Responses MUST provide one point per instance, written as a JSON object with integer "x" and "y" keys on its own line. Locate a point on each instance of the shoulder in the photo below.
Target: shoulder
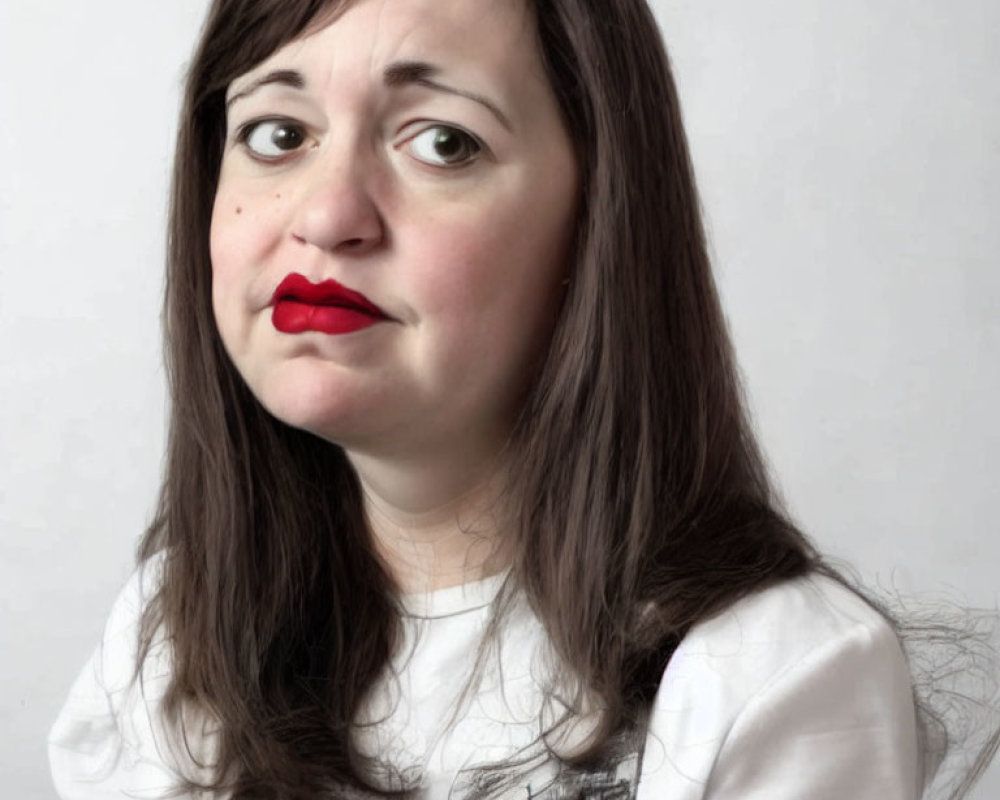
{"x": 805, "y": 673}
{"x": 106, "y": 737}
{"x": 113, "y": 662}
{"x": 775, "y": 629}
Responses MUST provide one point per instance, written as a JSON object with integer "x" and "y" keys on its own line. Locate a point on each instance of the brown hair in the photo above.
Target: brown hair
{"x": 644, "y": 505}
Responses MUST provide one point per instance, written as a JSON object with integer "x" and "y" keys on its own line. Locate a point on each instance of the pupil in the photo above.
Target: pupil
{"x": 286, "y": 138}
{"x": 447, "y": 143}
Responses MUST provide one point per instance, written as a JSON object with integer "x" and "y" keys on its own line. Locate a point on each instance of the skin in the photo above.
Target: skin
{"x": 463, "y": 244}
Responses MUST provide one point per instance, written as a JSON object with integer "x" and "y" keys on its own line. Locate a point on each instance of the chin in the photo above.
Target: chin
{"x": 322, "y": 407}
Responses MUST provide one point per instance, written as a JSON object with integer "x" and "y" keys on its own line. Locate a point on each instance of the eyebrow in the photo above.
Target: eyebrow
{"x": 283, "y": 77}
{"x": 400, "y": 73}
{"x": 420, "y": 73}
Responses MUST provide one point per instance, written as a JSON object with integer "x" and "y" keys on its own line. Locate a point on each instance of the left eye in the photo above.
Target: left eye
{"x": 445, "y": 146}
{"x": 271, "y": 139}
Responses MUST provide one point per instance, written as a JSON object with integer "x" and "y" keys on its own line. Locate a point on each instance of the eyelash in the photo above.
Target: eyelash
{"x": 468, "y": 141}
{"x": 471, "y": 144}
{"x": 249, "y": 128}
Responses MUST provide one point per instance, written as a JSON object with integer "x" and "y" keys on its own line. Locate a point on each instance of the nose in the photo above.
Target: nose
{"x": 336, "y": 211}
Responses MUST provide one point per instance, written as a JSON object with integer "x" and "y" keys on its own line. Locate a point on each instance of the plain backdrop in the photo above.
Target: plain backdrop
{"x": 848, "y": 154}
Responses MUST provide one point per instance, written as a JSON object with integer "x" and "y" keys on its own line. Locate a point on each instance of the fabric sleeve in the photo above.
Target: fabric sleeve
{"x": 837, "y": 724}
{"x": 84, "y": 743}
{"x": 102, "y": 744}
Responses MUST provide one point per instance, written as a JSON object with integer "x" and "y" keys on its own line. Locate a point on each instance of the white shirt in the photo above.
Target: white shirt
{"x": 798, "y": 692}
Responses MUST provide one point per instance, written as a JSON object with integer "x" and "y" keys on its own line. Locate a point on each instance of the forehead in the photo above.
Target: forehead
{"x": 493, "y": 37}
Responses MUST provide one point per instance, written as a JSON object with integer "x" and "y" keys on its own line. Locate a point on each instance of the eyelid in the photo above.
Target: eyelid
{"x": 244, "y": 129}
{"x": 242, "y": 133}
{"x": 406, "y": 135}
{"x": 412, "y": 130}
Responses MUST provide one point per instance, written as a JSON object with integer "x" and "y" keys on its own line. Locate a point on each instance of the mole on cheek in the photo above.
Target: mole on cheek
{"x": 277, "y": 196}
{"x": 239, "y": 209}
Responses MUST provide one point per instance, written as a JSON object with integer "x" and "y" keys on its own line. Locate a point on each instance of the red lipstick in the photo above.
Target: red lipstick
{"x": 327, "y": 307}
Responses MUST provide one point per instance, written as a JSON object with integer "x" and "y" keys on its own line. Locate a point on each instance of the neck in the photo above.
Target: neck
{"x": 435, "y": 528}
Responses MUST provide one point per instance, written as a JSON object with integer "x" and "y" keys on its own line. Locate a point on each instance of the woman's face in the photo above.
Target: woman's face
{"x": 411, "y": 152}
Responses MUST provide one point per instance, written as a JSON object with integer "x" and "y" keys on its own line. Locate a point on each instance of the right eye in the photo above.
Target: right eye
{"x": 271, "y": 139}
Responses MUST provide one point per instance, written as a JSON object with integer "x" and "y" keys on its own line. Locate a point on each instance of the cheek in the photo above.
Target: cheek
{"x": 490, "y": 288}
{"x": 236, "y": 241}
{"x": 225, "y": 246}
{"x": 485, "y": 260}
{"x": 244, "y": 230}
{"x": 234, "y": 229}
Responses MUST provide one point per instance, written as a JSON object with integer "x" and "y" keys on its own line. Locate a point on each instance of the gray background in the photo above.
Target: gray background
{"x": 849, "y": 160}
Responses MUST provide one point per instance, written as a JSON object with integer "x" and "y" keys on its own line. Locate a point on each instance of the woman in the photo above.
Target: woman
{"x": 461, "y": 499}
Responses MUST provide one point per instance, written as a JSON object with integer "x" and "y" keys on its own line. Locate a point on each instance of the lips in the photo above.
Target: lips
{"x": 300, "y": 305}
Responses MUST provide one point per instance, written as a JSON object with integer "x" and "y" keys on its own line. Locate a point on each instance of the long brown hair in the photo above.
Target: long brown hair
{"x": 643, "y": 502}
